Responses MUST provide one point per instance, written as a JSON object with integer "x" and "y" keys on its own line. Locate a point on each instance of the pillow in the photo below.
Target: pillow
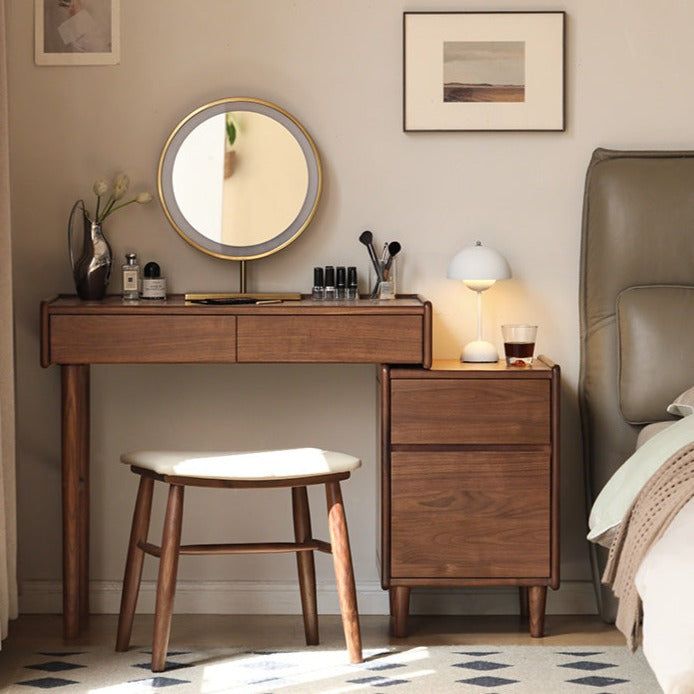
{"x": 619, "y": 493}
{"x": 683, "y": 405}
{"x": 650, "y": 430}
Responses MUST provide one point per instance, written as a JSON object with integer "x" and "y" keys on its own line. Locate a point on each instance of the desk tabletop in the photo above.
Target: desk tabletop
{"x": 176, "y": 303}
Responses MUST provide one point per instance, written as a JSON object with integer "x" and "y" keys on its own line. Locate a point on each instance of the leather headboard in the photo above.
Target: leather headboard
{"x": 638, "y": 229}
{"x": 656, "y": 349}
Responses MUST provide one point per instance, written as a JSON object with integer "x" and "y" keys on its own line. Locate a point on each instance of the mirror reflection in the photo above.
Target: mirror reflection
{"x": 240, "y": 178}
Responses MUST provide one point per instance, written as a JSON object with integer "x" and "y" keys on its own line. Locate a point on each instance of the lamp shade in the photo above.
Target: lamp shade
{"x": 478, "y": 263}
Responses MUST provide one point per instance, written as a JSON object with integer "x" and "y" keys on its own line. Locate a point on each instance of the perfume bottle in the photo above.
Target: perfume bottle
{"x": 131, "y": 278}
{"x": 153, "y": 284}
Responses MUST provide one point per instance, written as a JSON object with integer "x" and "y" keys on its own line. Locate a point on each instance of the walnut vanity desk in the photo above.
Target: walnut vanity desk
{"x": 76, "y": 334}
{"x": 470, "y": 481}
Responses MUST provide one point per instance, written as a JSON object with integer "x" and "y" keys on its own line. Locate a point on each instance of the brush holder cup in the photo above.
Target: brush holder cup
{"x": 384, "y": 287}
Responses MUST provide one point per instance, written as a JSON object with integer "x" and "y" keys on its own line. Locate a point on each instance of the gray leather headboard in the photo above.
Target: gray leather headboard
{"x": 638, "y": 229}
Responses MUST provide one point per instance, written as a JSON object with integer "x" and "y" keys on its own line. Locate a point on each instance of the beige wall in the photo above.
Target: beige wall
{"x": 337, "y": 66}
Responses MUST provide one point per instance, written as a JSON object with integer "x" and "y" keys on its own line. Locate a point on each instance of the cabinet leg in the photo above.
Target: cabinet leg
{"x": 400, "y": 601}
{"x": 523, "y": 601}
{"x": 537, "y": 597}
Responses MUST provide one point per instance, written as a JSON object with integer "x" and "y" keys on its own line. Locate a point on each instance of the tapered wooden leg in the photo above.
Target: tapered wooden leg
{"x": 75, "y": 462}
{"x": 84, "y": 508}
{"x": 537, "y": 597}
{"x": 133, "y": 565}
{"x": 344, "y": 575}
{"x": 401, "y": 610}
{"x": 305, "y": 564}
{"x": 523, "y": 601}
{"x": 391, "y": 601}
{"x": 166, "y": 581}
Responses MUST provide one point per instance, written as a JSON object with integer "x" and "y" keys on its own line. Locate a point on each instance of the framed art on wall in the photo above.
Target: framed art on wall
{"x": 483, "y": 71}
{"x": 77, "y": 32}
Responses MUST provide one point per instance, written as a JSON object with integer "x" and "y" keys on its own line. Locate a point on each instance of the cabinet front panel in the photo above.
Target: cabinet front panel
{"x": 470, "y": 514}
{"x": 348, "y": 339}
{"x": 470, "y": 411}
{"x": 141, "y": 339}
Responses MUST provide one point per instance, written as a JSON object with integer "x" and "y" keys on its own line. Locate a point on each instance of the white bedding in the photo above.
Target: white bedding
{"x": 665, "y": 579}
{"x": 665, "y": 582}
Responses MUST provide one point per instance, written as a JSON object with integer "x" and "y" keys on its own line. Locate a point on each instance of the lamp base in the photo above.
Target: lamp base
{"x": 479, "y": 351}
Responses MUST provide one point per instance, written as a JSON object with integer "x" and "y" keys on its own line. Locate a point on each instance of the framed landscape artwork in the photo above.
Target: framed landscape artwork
{"x": 483, "y": 71}
{"x": 77, "y": 32}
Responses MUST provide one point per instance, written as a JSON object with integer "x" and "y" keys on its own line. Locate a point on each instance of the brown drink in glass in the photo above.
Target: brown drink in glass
{"x": 519, "y": 344}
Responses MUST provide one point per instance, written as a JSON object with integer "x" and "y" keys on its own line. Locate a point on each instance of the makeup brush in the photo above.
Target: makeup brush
{"x": 393, "y": 249}
{"x": 367, "y": 238}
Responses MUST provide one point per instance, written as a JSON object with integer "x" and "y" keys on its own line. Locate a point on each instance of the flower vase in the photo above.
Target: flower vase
{"x": 92, "y": 270}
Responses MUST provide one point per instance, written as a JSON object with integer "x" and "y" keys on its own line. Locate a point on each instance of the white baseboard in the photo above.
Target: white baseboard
{"x": 275, "y": 597}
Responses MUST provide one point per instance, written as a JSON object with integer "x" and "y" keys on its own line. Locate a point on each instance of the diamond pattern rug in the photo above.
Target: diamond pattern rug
{"x": 440, "y": 669}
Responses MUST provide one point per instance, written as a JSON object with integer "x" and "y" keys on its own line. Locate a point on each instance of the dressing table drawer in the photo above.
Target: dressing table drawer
{"x": 471, "y": 411}
{"x": 331, "y": 338}
{"x": 460, "y": 514}
{"x": 84, "y": 339}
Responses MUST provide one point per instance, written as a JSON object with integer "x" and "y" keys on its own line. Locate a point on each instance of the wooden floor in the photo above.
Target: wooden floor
{"x": 265, "y": 631}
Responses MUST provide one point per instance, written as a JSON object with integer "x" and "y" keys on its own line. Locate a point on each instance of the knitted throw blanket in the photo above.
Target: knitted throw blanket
{"x": 658, "y": 502}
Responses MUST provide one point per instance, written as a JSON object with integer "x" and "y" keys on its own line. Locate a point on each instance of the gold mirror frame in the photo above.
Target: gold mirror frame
{"x": 223, "y": 251}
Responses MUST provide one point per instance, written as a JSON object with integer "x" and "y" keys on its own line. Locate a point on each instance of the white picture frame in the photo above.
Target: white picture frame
{"x": 483, "y": 71}
{"x": 77, "y": 32}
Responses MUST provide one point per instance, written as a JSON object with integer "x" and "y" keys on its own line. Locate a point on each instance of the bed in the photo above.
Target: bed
{"x": 637, "y": 329}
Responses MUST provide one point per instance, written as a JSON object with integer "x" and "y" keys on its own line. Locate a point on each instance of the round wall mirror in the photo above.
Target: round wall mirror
{"x": 239, "y": 178}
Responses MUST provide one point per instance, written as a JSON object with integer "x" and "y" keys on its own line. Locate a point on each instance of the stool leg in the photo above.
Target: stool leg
{"x": 305, "y": 564}
{"x": 344, "y": 576}
{"x": 166, "y": 581}
{"x": 133, "y": 565}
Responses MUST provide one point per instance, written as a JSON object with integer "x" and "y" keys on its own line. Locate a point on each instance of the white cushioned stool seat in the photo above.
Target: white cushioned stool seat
{"x": 255, "y": 465}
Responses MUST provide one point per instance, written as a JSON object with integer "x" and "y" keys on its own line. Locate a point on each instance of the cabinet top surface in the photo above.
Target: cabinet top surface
{"x": 176, "y": 303}
{"x": 457, "y": 365}
{"x": 542, "y": 367}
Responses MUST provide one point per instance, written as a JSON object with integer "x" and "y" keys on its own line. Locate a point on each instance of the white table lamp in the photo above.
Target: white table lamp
{"x": 479, "y": 267}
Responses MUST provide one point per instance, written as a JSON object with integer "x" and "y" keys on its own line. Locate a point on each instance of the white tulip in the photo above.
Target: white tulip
{"x": 100, "y": 187}
{"x": 144, "y": 198}
{"x": 120, "y": 185}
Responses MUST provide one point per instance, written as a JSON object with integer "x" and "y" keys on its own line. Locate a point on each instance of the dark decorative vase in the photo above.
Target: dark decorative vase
{"x": 92, "y": 270}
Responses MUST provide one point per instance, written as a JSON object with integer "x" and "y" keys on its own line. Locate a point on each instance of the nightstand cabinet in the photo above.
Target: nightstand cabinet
{"x": 470, "y": 481}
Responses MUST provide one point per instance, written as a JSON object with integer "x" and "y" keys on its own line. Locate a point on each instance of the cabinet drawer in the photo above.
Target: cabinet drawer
{"x": 329, "y": 338}
{"x": 481, "y": 411}
{"x": 155, "y": 339}
{"x": 470, "y": 515}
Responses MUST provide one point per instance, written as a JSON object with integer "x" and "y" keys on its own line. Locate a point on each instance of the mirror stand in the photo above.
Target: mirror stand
{"x": 243, "y": 292}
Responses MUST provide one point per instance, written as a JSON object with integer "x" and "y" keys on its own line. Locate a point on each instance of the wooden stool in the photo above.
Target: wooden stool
{"x": 297, "y": 469}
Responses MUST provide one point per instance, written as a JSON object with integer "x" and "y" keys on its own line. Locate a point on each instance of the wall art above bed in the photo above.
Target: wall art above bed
{"x": 483, "y": 71}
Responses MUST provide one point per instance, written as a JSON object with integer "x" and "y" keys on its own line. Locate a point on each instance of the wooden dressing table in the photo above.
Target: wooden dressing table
{"x": 76, "y": 334}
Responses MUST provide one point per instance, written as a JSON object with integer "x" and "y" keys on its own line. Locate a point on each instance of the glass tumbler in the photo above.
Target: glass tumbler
{"x": 519, "y": 344}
